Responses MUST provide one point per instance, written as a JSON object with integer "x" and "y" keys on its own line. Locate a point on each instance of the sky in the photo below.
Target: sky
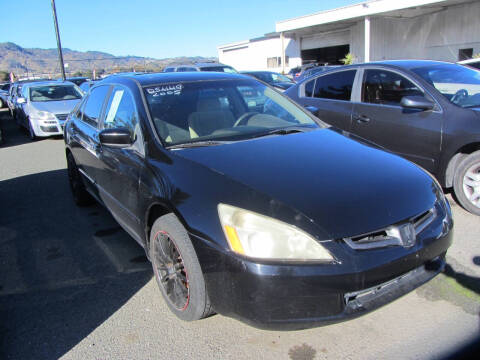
{"x": 150, "y": 28}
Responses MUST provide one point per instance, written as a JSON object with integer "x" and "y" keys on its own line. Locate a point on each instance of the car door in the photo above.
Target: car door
{"x": 84, "y": 135}
{"x": 378, "y": 116}
{"x": 118, "y": 179}
{"x": 331, "y": 95}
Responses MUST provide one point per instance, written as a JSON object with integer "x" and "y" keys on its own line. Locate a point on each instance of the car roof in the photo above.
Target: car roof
{"x": 175, "y": 77}
{"x": 48, "y": 83}
{"x": 407, "y": 64}
{"x": 259, "y": 72}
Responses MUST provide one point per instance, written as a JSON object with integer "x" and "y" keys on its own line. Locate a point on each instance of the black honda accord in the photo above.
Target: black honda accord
{"x": 249, "y": 206}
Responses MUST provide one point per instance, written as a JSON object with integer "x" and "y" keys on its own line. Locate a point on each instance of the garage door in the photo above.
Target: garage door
{"x": 325, "y": 40}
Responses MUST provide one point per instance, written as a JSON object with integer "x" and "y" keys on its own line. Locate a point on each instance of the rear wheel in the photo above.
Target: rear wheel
{"x": 79, "y": 192}
{"x": 466, "y": 183}
{"x": 177, "y": 270}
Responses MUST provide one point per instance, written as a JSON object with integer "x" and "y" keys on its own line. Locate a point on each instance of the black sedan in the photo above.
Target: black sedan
{"x": 425, "y": 111}
{"x": 279, "y": 81}
{"x": 258, "y": 212}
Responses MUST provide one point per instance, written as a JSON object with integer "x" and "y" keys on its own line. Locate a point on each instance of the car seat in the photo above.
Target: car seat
{"x": 209, "y": 117}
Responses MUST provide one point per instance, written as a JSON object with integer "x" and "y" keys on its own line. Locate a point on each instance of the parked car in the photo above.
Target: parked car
{"x": 297, "y": 71}
{"x": 4, "y": 94}
{"x": 425, "y": 111}
{"x": 77, "y": 80}
{"x": 279, "y": 81}
{"x": 209, "y": 66}
{"x": 44, "y": 107}
{"x": 314, "y": 70}
{"x": 14, "y": 93}
{"x": 267, "y": 216}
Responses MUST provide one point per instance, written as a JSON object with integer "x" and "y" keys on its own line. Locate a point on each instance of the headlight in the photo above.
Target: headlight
{"x": 43, "y": 115}
{"x": 259, "y": 236}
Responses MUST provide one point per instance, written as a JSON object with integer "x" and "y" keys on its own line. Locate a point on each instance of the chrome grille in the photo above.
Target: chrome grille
{"x": 403, "y": 234}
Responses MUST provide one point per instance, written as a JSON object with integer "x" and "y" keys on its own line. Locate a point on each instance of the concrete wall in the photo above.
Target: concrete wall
{"x": 436, "y": 36}
{"x": 253, "y": 55}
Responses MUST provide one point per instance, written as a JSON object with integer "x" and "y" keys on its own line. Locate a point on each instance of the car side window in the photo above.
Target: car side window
{"x": 386, "y": 87}
{"x": 93, "y": 107}
{"x": 121, "y": 110}
{"x": 336, "y": 86}
{"x": 309, "y": 88}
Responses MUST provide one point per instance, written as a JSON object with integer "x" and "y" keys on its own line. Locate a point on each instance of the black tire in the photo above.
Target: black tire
{"x": 79, "y": 192}
{"x": 177, "y": 270}
{"x": 31, "y": 132}
{"x": 460, "y": 184}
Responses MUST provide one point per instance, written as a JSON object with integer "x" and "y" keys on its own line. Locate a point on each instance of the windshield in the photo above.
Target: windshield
{"x": 272, "y": 78}
{"x": 226, "y": 69}
{"x": 54, "y": 93}
{"x": 225, "y": 110}
{"x": 459, "y": 84}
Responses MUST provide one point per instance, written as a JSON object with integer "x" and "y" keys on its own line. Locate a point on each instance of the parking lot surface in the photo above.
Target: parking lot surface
{"x": 74, "y": 285}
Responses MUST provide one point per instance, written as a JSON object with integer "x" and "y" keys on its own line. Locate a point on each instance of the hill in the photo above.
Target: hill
{"x": 44, "y": 62}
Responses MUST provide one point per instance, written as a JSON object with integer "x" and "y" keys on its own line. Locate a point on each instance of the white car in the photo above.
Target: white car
{"x": 44, "y": 106}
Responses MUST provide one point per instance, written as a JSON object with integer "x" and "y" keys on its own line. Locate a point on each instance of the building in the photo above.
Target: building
{"x": 446, "y": 30}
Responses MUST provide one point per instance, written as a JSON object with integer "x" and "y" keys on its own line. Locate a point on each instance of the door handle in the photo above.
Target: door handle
{"x": 361, "y": 119}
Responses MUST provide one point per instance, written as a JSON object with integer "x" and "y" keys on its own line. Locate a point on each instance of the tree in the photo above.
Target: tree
{"x": 348, "y": 59}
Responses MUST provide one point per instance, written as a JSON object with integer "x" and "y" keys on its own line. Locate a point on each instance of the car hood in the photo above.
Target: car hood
{"x": 56, "y": 107}
{"x": 344, "y": 187}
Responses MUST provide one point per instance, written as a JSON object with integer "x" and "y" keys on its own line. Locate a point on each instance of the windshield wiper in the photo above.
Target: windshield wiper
{"x": 284, "y": 131}
{"x": 197, "y": 144}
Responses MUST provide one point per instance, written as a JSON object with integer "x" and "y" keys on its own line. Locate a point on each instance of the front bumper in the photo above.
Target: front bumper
{"x": 50, "y": 128}
{"x": 298, "y": 296}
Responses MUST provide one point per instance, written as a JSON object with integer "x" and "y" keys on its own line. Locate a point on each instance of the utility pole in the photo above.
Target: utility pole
{"x": 59, "y": 44}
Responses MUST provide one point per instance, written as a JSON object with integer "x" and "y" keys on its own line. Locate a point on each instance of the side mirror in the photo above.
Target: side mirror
{"x": 21, "y": 101}
{"x": 116, "y": 137}
{"x": 416, "y": 102}
{"x": 312, "y": 109}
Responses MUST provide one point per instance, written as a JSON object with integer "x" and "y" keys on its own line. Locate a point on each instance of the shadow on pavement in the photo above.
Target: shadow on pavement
{"x": 57, "y": 284}
{"x": 470, "y": 282}
{"x": 12, "y": 134}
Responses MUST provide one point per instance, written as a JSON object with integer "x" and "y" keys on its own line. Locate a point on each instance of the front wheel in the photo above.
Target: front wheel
{"x": 466, "y": 183}
{"x": 177, "y": 270}
{"x": 31, "y": 131}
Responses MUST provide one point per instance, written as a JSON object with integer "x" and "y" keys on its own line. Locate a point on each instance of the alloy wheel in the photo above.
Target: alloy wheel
{"x": 471, "y": 184}
{"x": 170, "y": 271}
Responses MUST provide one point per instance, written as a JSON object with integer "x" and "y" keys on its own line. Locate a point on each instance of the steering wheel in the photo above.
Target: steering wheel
{"x": 242, "y": 120}
{"x": 459, "y": 96}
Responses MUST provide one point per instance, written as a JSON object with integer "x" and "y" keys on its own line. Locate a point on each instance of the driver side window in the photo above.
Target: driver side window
{"x": 386, "y": 87}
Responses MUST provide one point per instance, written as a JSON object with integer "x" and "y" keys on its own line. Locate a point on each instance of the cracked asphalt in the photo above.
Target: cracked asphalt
{"x": 73, "y": 285}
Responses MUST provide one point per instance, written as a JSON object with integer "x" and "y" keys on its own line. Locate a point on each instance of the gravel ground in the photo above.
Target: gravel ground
{"x": 73, "y": 285}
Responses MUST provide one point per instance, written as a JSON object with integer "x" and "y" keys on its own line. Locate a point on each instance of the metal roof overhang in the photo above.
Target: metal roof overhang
{"x": 344, "y": 17}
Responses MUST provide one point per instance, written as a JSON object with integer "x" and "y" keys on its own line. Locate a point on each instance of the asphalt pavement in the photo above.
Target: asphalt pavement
{"x": 74, "y": 285}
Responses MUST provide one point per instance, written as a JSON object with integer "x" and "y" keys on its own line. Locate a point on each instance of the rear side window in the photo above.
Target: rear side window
{"x": 337, "y": 86}
{"x": 386, "y": 87}
{"x": 93, "y": 107}
{"x": 309, "y": 88}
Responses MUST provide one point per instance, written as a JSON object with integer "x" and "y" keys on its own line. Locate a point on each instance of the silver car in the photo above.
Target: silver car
{"x": 44, "y": 106}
